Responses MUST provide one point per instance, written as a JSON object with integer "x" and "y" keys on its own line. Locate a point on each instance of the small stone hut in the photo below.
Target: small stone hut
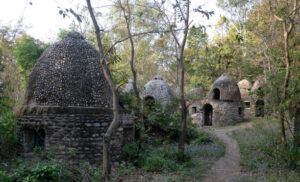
{"x": 257, "y": 103}
{"x": 158, "y": 90}
{"x": 68, "y": 104}
{"x": 194, "y": 102}
{"x": 129, "y": 86}
{"x": 245, "y": 88}
{"x": 224, "y": 104}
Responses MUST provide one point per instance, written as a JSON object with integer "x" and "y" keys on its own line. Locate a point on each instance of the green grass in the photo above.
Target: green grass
{"x": 263, "y": 157}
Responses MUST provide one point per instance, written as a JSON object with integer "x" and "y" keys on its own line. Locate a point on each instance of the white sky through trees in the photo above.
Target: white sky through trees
{"x": 43, "y": 21}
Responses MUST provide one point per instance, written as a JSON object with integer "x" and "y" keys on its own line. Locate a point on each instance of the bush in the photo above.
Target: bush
{"x": 49, "y": 170}
{"x": 154, "y": 163}
{"x": 165, "y": 123}
{"x": 157, "y": 159}
{"x": 8, "y": 139}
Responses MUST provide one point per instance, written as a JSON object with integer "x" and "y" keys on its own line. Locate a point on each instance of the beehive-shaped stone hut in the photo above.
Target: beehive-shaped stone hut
{"x": 257, "y": 102}
{"x": 194, "y": 102}
{"x": 224, "y": 105}
{"x": 195, "y": 94}
{"x": 68, "y": 104}
{"x": 245, "y": 88}
{"x": 158, "y": 90}
{"x": 129, "y": 86}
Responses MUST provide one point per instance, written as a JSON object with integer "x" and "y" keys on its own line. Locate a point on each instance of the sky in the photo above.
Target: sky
{"x": 43, "y": 21}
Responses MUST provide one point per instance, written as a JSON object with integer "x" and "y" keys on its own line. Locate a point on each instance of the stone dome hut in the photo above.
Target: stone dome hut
{"x": 245, "y": 87}
{"x": 257, "y": 103}
{"x": 129, "y": 86}
{"x": 68, "y": 104}
{"x": 158, "y": 90}
{"x": 195, "y": 94}
{"x": 224, "y": 104}
{"x": 194, "y": 102}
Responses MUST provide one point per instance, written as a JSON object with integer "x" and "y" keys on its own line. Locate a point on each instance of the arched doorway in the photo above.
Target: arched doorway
{"x": 149, "y": 102}
{"x": 207, "y": 115}
{"x": 216, "y": 94}
{"x": 259, "y": 108}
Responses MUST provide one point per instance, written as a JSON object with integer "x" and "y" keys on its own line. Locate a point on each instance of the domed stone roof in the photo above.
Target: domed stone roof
{"x": 225, "y": 88}
{"x": 195, "y": 93}
{"x": 68, "y": 74}
{"x": 129, "y": 86}
{"x": 245, "y": 87}
{"x": 257, "y": 84}
{"x": 159, "y": 90}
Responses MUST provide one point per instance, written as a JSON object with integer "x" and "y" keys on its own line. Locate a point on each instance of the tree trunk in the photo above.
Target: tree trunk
{"x": 115, "y": 122}
{"x": 181, "y": 82}
{"x": 286, "y": 33}
{"x": 297, "y": 128}
{"x": 282, "y": 127}
{"x": 136, "y": 91}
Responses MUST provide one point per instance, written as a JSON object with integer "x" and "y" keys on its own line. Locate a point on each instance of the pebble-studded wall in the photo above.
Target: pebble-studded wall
{"x": 67, "y": 105}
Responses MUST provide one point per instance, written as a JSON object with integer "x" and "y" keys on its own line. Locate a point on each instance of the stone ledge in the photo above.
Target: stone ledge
{"x": 40, "y": 110}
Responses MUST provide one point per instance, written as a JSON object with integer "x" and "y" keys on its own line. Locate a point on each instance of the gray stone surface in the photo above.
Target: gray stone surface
{"x": 225, "y": 113}
{"x": 245, "y": 87}
{"x": 129, "y": 86}
{"x": 226, "y": 109}
{"x": 159, "y": 90}
{"x": 229, "y": 90}
{"x": 195, "y": 94}
{"x": 254, "y": 97}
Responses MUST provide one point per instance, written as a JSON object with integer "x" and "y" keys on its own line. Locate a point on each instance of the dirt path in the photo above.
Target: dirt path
{"x": 228, "y": 167}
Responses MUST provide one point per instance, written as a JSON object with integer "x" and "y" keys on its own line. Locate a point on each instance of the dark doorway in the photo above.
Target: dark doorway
{"x": 149, "y": 102}
{"x": 240, "y": 111}
{"x": 194, "y": 110}
{"x": 259, "y": 108}
{"x": 33, "y": 139}
{"x": 207, "y": 114}
{"x": 216, "y": 94}
{"x": 247, "y": 104}
{"x": 39, "y": 139}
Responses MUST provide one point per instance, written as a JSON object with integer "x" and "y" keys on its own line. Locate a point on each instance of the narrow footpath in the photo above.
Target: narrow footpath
{"x": 227, "y": 167}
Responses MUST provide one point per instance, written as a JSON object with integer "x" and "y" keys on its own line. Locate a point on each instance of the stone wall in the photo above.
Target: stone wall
{"x": 224, "y": 113}
{"x": 74, "y": 133}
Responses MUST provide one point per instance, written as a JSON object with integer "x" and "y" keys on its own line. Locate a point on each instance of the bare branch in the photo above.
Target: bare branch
{"x": 180, "y": 9}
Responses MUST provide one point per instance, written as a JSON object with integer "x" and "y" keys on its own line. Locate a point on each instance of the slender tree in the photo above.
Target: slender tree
{"x": 114, "y": 89}
{"x": 288, "y": 22}
{"x": 128, "y": 19}
{"x": 183, "y": 7}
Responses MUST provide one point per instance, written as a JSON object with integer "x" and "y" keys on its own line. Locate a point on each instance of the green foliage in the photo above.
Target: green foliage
{"x": 154, "y": 158}
{"x": 162, "y": 121}
{"x": 203, "y": 138}
{"x": 27, "y": 51}
{"x": 49, "y": 169}
{"x": 8, "y": 140}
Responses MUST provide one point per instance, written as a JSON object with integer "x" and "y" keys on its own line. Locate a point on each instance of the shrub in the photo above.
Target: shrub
{"x": 164, "y": 122}
{"x": 48, "y": 170}
{"x": 154, "y": 163}
{"x": 8, "y": 139}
